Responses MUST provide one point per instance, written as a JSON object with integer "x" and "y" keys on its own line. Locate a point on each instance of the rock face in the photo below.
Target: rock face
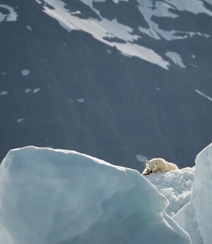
{"x": 112, "y": 79}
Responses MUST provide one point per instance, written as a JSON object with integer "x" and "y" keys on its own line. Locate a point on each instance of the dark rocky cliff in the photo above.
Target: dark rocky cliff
{"x": 83, "y": 94}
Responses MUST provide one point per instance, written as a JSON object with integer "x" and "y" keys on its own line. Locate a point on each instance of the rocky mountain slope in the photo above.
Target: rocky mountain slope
{"x": 119, "y": 80}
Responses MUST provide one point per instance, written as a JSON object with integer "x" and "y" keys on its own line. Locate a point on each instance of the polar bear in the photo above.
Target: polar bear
{"x": 156, "y": 165}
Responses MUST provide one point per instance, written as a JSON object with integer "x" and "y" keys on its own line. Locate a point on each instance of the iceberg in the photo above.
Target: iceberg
{"x": 195, "y": 217}
{"x": 53, "y": 196}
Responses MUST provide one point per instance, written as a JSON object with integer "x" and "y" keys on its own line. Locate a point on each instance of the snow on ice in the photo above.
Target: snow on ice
{"x": 57, "y": 196}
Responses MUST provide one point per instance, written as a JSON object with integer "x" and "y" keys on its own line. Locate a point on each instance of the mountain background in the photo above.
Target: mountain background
{"x": 123, "y": 81}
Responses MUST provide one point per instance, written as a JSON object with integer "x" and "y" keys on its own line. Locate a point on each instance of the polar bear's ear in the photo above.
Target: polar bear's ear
{"x": 146, "y": 161}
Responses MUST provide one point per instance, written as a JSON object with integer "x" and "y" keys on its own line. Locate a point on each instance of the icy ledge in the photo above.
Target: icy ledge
{"x": 56, "y": 196}
{"x": 196, "y": 216}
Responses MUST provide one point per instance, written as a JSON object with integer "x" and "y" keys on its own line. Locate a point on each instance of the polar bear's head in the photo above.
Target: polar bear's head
{"x": 152, "y": 165}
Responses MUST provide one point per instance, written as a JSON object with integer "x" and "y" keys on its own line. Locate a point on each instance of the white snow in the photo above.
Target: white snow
{"x": 38, "y": 1}
{"x": 56, "y": 196}
{"x": 194, "y": 65}
{"x": 196, "y": 7}
{"x": 20, "y": 120}
{"x": 175, "y": 186}
{"x": 202, "y": 94}
{"x": 25, "y": 72}
{"x": 76, "y": 12}
{"x": 149, "y": 32}
{"x": 176, "y": 58}
{"x": 29, "y": 27}
{"x": 101, "y": 29}
{"x": 209, "y": 1}
{"x": 81, "y": 100}
{"x": 11, "y": 16}
{"x": 28, "y": 90}
{"x": 3, "y": 93}
{"x": 107, "y": 31}
{"x": 117, "y": 1}
{"x": 36, "y": 90}
{"x": 162, "y": 9}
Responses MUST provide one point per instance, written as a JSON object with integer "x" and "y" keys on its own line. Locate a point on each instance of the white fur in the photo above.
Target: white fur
{"x": 158, "y": 165}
